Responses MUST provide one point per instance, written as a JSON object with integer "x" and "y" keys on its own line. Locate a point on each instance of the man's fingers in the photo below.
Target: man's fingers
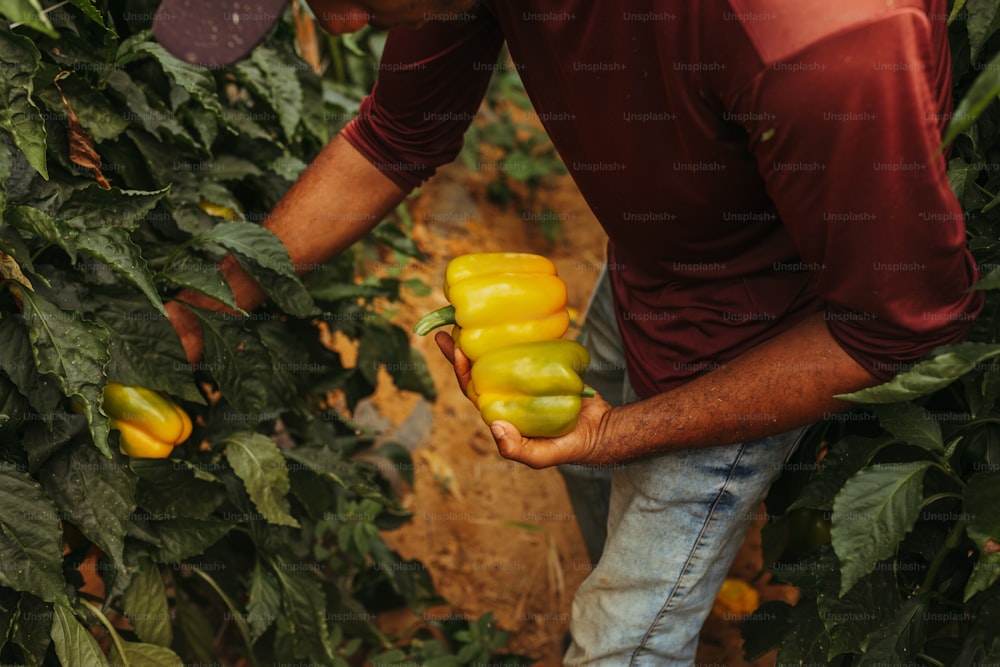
{"x": 509, "y": 441}
{"x": 447, "y": 345}
{"x": 535, "y": 453}
{"x": 463, "y": 367}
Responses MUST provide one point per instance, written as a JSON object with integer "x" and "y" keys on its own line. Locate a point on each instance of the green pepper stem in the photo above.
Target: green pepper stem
{"x": 434, "y": 319}
{"x": 588, "y": 392}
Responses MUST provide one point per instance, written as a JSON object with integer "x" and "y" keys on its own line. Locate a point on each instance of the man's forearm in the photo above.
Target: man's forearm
{"x": 786, "y": 382}
{"x": 337, "y": 200}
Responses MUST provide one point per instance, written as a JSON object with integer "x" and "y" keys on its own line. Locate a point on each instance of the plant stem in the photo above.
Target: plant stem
{"x": 339, "y": 68}
{"x": 241, "y": 623}
{"x": 96, "y": 611}
{"x": 939, "y": 496}
{"x": 434, "y": 319}
{"x": 949, "y": 545}
{"x": 933, "y": 661}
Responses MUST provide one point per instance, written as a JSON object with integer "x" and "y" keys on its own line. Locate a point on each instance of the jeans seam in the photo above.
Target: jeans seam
{"x": 687, "y": 563}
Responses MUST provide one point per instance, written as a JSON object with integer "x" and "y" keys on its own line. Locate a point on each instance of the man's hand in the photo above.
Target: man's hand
{"x": 578, "y": 446}
{"x": 752, "y": 396}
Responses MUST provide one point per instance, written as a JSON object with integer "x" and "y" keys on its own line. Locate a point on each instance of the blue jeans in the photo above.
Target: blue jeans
{"x": 674, "y": 525}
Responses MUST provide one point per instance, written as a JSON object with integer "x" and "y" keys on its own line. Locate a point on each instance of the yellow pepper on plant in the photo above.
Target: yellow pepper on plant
{"x": 736, "y": 598}
{"x": 150, "y": 425}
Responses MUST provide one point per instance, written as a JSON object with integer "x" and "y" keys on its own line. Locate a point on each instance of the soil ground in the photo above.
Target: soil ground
{"x": 495, "y": 535}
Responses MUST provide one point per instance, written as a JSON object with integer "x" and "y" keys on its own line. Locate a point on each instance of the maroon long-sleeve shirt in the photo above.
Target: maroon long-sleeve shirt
{"x": 752, "y": 162}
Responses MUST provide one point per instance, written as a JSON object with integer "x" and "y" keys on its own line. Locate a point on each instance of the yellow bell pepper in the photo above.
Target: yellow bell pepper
{"x": 500, "y": 299}
{"x": 736, "y": 598}
{"x": 534, "y": 386}
{"x": 150, "y": 425}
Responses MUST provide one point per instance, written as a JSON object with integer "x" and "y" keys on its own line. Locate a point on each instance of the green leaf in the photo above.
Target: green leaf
{"x": 149, "y": 112}
{"x": 850, "y": 619}
{"x": 6, "y": 168}
{"x": 806, "y": 641}
{"x": 12, "y": 243}
{"x": 902, "y": 639}
{"x": 251, "y": 241}
{"x": 287, "y": 166}
{"x": 949, "y": 363}
{"x": 73, "y": 642}
{"x": 391, "y": 348}
{"x": 196, "y": 630}
{"x": 97, "y": 495}
{"x": 872, "y": 513}
{"x": 331, "y": 465}
{"x": 961, "y": 177}
{"x": 16, "y": 361}
{"x": 264, "y": 256}
{"x": 237, "y": 360}
{"x": 14, "y": 407}
{"x": 302, "y": 627}
{"x": 990, "y": 281}
{"x": 38, "y": 224}
{"x": 145, "y": 605}
{"x": 75, "y": 352}
{"x": 272, "y": 78}
{"x": 202, "y": 277}
{"x": 980, "y": 15}
{"x": 286, "y": 293}
{"x": 845, "y": 458}
{"x": 33, "y": 628}
{"x": 97, "y": 114}
{"x": 264, "y": 601}
{"x": 393, "y": 657}
{"x": 196, "y": 82}
{"x": 981, "y": 500}
{"x": 413, "y": 374}
{"x": 90, "y": 11}
{"x": 175, "y": 490}
{"x": 956, "y": 10}
{"x": 28, "y": 12}
{"x": 114, "y": 247}
{"x": 912, "y": 424}
{"x": 393, "y": 236}
{"x": 184, "y": 538}
{"x": 257, "y": 461}
{"x": 19, "y": 116}
{"x": 30, "y": 539}
{"x": 146, "y": 351}
{"x": 94, "y": 207}
{"x": 149, "y": 655}
{"x": 981, "y": 94}
{"x": 340, "y": 291}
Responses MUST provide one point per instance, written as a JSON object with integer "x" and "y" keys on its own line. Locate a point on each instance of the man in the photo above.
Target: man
{"x": 781, "y": 231}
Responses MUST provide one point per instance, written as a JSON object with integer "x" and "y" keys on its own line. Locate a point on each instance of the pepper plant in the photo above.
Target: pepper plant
{"x": 888, "y": 519}
{"x": 125, "y": 175}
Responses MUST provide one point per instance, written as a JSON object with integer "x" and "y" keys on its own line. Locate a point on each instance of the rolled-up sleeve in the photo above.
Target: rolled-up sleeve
{"x": 849, "y": 148}
{"x": 431, "y": 81}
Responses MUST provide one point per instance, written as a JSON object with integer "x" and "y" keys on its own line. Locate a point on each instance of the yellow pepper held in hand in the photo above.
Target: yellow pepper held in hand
{"x": 535, "y": 386}
{"x": 150, "y": 425}
{"x": 500, "y": 299}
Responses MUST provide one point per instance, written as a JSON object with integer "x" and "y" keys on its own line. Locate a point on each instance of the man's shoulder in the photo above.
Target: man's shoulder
{"x": 780, "y": 28}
